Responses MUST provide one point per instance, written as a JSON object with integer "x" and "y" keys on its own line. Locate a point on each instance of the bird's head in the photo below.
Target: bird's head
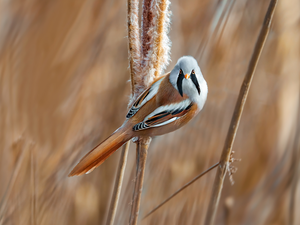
{"x": 187, "y": 78}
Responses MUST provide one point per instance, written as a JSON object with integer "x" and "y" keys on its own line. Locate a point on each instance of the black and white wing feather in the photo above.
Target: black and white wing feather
{"x": 143, "y": 98}
{"x": 164, "y": 115}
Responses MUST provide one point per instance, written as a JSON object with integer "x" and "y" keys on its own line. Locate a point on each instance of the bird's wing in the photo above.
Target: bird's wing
{"x": 144, "y": 98}
{"x": 164, "y": 115}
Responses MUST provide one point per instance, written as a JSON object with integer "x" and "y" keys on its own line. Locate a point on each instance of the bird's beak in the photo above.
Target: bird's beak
{"x": 187, "y": 76}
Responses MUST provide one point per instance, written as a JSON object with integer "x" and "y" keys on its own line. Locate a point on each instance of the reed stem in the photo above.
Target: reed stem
{"x": 235, "y": 121}
{"x": 118, "y": 185}
{"x": 141, "y": 156}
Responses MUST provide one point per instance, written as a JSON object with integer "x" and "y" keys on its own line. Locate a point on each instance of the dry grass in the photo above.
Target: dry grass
{"x": 63, "y": 77}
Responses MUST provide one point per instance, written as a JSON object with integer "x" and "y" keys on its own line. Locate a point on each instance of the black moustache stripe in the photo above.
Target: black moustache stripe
{"x": 195, "y": 81}
{"x": 179, "y": 83}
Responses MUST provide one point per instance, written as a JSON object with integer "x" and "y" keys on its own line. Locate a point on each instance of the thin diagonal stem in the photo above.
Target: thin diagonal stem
{"x": 222, "y": 168}
{"x": 181, "y": 189}
{"x": 118, "y": 185}
{"x": 141, "y": 156}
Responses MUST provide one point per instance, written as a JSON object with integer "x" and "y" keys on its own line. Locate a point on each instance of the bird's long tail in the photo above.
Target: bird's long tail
{"x": 102, "y": 151}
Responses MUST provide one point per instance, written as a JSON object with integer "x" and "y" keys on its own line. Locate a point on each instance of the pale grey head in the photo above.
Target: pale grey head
{"x": 187, "y": 78}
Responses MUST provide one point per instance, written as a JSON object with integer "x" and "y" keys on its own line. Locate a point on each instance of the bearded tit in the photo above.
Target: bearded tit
{"x": 169, "y": 103}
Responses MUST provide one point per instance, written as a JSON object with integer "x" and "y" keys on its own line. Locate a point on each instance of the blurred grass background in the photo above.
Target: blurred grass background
{"x": 64, "y": 88}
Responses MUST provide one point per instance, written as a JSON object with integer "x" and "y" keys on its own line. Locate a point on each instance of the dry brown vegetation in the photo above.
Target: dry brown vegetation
{"x": 64, "y": 87}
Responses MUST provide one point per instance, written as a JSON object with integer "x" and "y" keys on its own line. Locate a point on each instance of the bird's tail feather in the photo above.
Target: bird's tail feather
{"x": 101, "y": 152}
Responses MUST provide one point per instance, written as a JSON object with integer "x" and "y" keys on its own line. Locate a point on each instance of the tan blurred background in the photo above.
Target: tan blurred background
{"x": 64, "y": 87}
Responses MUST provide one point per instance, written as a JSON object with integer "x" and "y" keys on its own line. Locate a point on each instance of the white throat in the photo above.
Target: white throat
{"x": 189, "y": 88}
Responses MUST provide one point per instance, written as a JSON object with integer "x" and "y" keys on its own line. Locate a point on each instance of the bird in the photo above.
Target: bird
{"x": 170, "y": 102}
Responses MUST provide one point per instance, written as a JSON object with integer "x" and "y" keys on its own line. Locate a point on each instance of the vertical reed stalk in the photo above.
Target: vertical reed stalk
{"x": 118, "y": 185}
{"x": 141, "y": 156}
{"x": 153, "y": 55}
{"x": 147, "y": 23}
{"x": 133, "y": 42}
{"x": 155, "y": 49}
{"x": 134, "y": 63}
{"x": 224, "y": 161}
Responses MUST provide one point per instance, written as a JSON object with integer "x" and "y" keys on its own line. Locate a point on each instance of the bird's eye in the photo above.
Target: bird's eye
{"x": 193, "y": 72}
